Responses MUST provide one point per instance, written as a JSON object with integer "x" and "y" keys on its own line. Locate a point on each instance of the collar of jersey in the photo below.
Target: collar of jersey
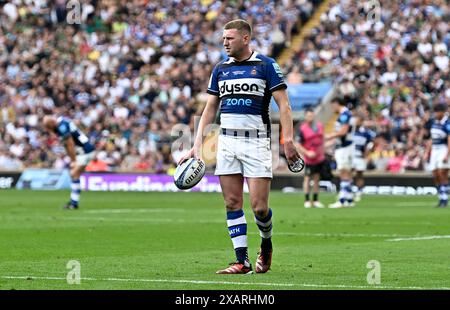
{"x": 345, "y": 109}
{"x": 444, "y": 119}
{"x": 251, "y": 58}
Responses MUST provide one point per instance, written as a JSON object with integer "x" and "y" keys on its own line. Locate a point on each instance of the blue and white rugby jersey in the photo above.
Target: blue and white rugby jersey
{"x": 361, "y": 138}
{"x": 66, "y": 128}
{"x": 245, "y": 89}
{"x": 344, "y": 118}
{"x": 440, "y": 130}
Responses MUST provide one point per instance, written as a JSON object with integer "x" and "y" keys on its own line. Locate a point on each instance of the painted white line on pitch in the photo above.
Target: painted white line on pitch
{"x": 144, "y": 220}
{"x": 304, "y": 234}
{"x": 328, "y": 235}
{"x": 162, "y": 220}
{"x": 374, "y": 222}
{"x": 412, "y": 204}
{"x": 151, "y": 220}
{"x": 165, "y": 220}
{"x": 113, "y": 211}
{"x": 333, "y": 235}
{"x": 420, "y": 238}
{"x": 198, "y": 221}
{"x": 232, "y": 283}
{"x": 150, "y": 280}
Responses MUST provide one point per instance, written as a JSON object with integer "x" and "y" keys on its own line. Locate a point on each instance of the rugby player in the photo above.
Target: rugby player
{"x": 241, "y": 86}
{"x": 79, "y": 150}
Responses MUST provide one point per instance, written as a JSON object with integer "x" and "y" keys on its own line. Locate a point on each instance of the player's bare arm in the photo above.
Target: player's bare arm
{"x": 445, "y": 160}
{"x": 70, "y": 147}
{"x": 208, "y": 116}
{"x": 427, "y": 152}
{"x": 282, "y": 100}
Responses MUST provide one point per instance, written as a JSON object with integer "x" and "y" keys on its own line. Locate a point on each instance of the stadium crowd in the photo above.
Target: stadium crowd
{"x": 126, "y": 72}
{"x": 391, "y": 63}
{"x": 130, "y": 70}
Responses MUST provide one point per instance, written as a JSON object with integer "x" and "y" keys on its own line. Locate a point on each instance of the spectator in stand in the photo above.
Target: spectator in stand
{"x": 380, "y": 154}
{"x": 130, "y": 161}
{"x": 413, "y": 160}
{"x": 143, "y": 164}
{"x": 133, "y": 62}
{"x": 127, "y": 64}
{"x": 392, "y": 68}
{"x": 397, "y": 163}
{"x": 294, "y": 77}
{"x": 97, "y": 165}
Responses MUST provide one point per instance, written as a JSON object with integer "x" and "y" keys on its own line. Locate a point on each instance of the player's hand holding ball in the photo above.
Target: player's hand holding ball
{"x": 295, "y": 161}
{"x": 193, "y": 152}
{"x": 189, "y": 173}
{"x": 190, "y": 170}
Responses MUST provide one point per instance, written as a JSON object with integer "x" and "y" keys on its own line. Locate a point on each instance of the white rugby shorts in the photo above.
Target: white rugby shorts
{"x": 437, "y": 155}
{"x": 359, "y": 164}
{"x": 344, "y": 157}
{"x": 84, "y": 159}
{"x": 251, "y": 157}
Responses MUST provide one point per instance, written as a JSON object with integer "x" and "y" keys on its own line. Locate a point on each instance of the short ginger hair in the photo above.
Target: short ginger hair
{"x": 240, "y": 25}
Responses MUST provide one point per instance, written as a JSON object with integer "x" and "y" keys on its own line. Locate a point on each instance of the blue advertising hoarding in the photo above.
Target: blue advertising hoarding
{"x": 304, "y": 95}
{"x": 44, "y": 179}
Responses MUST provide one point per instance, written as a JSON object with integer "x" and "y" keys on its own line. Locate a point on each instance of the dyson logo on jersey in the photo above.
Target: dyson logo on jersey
{"x": 238, "y": 101}
{"x": 229, "y": 89}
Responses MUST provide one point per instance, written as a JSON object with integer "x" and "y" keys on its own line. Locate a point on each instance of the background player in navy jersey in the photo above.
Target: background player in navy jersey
{"x": 362, "y": 140}
{"x": 439, "y": 151}
{"x": 343, "y": 153}
{"x": 78, "y": 148}
{"x": 242, "y": 86}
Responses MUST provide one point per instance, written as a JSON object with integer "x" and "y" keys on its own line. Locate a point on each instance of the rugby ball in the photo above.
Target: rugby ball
{"x": 297, "y": 166}
{"x": 189, "y": 173}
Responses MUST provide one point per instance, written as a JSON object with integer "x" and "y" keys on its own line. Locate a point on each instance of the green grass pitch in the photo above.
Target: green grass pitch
{"x": 178, "y": 241}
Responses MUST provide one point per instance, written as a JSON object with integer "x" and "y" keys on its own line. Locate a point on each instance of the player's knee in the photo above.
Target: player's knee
{"x": 260, "y": 208}
{"x": 345, "y": 174}
{"x": 261, "y": 212}
{"x": 75, "y": 173}
{"x": 233, "y": 203}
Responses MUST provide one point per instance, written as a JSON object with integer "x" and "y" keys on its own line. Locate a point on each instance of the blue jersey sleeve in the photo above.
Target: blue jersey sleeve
{"x": 275, "y": 77}
{"x": 370, "y": 136}
{"x": 344, "y": 118}
{"x": 447, "y": 128}
{"x": 63, "y": 129}
{"x": 213, "y": 86}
